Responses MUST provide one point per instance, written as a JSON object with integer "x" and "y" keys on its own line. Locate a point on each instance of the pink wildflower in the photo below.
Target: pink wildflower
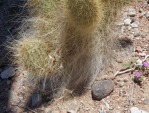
{"x": 145, "y": 64}
{"x": 137, "y": 74}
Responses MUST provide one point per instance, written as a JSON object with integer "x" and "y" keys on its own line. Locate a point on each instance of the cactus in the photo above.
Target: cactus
{"x": 88, "y": 40}
{"x": 86, "y": 44}
{"x": 82, "y": 48}
{"x": 84, "y": 14}
{"x": 112, "y": 7}
{"x": 41, "y": 5}
{"x": 36, "y": 56}
{"x": 84, "y": 51}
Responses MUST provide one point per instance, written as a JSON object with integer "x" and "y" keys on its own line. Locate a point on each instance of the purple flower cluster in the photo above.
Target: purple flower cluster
{"x": 137, "y": 74}
{"x": 145, "y": 64}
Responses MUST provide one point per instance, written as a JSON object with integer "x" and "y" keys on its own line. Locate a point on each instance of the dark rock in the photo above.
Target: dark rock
{"x": 36, "y": 100}
{"x": 101, "y": 89}
{"x": 7, "y": 73}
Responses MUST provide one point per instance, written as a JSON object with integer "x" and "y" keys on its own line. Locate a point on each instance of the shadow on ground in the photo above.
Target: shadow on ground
{"x": 12, "y": 14}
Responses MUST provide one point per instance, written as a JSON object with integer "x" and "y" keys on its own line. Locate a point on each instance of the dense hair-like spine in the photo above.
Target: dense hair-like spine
{"x": 84, "y": 14}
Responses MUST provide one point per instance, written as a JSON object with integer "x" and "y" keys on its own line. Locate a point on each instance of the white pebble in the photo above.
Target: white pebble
{"x": 147, "y": 14}
{"x": 142, "y": 54}
{"x": 127, "y": 21}
{"x": 139, "y": 62}
{"x": 135, "y": 24}
{"x": 137, "y": 110}
{"x": 131, "y": 12}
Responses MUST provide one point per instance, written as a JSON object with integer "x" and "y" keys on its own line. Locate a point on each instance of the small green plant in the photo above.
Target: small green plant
{"x": 141, "y": 68}
{"x": 131, "y": 63}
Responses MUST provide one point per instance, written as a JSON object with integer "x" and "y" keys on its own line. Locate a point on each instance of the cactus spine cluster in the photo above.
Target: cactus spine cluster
{"x": 35, "y": 56}
{"x": 84, "y": 14}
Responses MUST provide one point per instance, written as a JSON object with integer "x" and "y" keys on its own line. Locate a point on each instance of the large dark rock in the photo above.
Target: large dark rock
{"x": 101, "y": 89}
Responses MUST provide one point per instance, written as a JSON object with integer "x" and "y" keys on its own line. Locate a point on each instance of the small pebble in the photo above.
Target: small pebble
{"x": 119, "y": 60}
{"x": 137, "y": 35}
{"x": 36, "y": 99}
{"x": 139, "y": 62}
{"x": 73, "y": 107}
{"x": 116, "y": 111}
{"x": 102, "y": 111}
{"x": 135, "y": 24}
{"x": 133, "y": 19}
{"x": 126, "y": 105}
{"x": 142, "y": 54}
{"x": 9, "y": 72}
{"x": 138, "y": 49}
{"x": 55, "y": 111}
{"x": 144, "y": 34}
{"x": 137, "y": 110}
{"x": 129, "y": 28}
{"x": 145, "y": 101}
{"x": 147, "y": 14}
{"x": 142, "y": 15}
{"x": 126, "y": 80}
{"x": 131, "y": 12}
{"x": 121, "y": 84}
{"x": 127, "y": 21}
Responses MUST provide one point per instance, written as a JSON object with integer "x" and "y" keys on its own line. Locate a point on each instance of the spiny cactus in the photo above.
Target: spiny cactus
{"x": 36, "y": 56}
{"x": 87, "y": 43}
{"x": 111, "y": 8}
{"x": 85, "y": 54}
{"x": 43, "y": 6}
{"x": 84, "y": 14}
